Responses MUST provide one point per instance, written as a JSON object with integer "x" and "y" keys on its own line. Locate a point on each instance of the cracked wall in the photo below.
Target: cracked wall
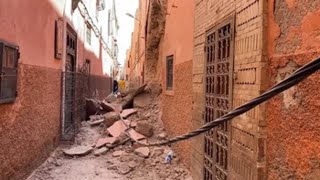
{"x": 155, "y": 30}
{"x": 293, "y": 116}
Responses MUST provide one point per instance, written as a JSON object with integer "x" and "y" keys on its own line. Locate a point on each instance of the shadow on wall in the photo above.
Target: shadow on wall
{"x": 30, "y": 127}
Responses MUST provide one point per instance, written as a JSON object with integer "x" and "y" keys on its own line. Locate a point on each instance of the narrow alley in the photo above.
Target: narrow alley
{"x": 104, "y": 148}
{"x": 159, "y": 89}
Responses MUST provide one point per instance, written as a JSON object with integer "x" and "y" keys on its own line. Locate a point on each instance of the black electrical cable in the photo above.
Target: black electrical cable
{"x": 296, "y": 77}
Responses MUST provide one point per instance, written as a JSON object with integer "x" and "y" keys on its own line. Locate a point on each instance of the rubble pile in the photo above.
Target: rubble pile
{"x": 130, "y": 119}
{"x": 111, "y": 134}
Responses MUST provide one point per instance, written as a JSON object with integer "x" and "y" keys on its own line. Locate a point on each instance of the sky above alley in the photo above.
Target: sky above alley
{"x": 126, "y": 25}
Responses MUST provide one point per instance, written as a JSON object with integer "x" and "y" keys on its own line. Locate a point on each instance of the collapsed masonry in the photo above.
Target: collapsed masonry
{"x": 119, "y": 123}
{"x": 155, "y": 29}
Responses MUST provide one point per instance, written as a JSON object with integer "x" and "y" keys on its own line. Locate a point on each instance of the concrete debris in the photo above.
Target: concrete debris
{"x": 95, "y": 117}
{"x": 56, "y": 162}
{"x": 135, "y": 135}
{"x": 96, "y": 123}
{"x": 128, "y": 100}
{"x": 133, "y": 124}
{"x": 118, "y": 108}
{"x": 78, "y": 151}
{"x": 142, "y": 100}
{"x": 121, "y": 138}
{"x": 117, "y": 128}
{"x": 117, "y": 153}
{"x": 154, "y": 88}
{"x": 127, "y": 122}
{"x": 144, "y": 128}
{"x": 162, "y": 135}
{"x": 124, "y": 168}
{"x": 128, "y": 112}
{"x": 132, "y": 164}
{"x": 92, "y": 107}
{"x": 103, "y": 141}
{"x": 107, "y": 107}
{"x": 110, "y": 118}
{"x": 142, "y": 152}
{"x": 101, "y": 151}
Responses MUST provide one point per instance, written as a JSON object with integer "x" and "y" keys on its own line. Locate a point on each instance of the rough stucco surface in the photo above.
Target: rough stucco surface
{"x": 156, "y": 27}
{"x": 29, "y": 127}
{"x": 177, "y": 109}
{"x": 293, "y": 26}
{"x": 293, "y": 123}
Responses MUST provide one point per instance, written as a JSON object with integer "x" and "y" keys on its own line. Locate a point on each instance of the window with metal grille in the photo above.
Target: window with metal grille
{"x": 88, "y": 32}
{"x": 9, "y": 55}
{"x": 169, "y": 74}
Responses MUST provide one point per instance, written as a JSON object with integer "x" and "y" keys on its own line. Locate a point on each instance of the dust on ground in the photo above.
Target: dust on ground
{"x": 120, "y": 162}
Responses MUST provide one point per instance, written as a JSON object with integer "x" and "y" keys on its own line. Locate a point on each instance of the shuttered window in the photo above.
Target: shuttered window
{"x": 88, "y": 33}
{"x": 169, "y": 73}
{"x": 9, "y": 55}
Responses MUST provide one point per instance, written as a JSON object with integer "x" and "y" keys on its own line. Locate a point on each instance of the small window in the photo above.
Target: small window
{"x": 9, "y": 55}
{"x": 169, "y": 74}
{"x": 88, "y": 34}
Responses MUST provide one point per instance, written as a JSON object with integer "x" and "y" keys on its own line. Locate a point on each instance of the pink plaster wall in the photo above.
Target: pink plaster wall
{"x": 24, "y": 24}
{"x": 178, "y": 41}
{"x": 30, "y": 127}
{"x": 178, "y": 37}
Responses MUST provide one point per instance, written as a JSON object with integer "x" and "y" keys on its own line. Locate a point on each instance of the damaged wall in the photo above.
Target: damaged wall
{"x": 177, "y": 41}
{"x": 156, "y": 20}
{"x": 293, "y": 116}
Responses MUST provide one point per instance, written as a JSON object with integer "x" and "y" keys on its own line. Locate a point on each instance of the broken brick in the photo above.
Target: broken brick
{"x": 78, "y": 151}
{"x": 107, "y": 106}
{"x": 144, "y": 128}
{"x": 103, "y": 141}
{"x": 110, "y": 118}
{"x": 117, "y": 128}
{"x": 135, "y": 135}
{"x": 128, "y": 112}
{"x": 142, "y": 152}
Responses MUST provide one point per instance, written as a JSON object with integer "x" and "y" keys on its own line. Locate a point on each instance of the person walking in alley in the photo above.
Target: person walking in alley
{"x": 115, "y": 86}
{"x": 122, "y": 85}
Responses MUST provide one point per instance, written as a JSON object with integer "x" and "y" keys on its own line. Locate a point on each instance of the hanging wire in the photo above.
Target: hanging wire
{"x": 296, "y": 77}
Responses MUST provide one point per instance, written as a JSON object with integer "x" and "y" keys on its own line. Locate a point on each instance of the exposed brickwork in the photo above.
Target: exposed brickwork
{"x": 29, "y": 128}
{"x": 249, "y": 69}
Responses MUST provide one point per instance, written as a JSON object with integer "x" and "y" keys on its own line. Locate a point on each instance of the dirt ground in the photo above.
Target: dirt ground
{"x": 121, "y": 162}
